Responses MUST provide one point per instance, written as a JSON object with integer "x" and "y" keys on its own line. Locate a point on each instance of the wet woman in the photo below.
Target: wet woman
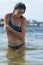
{"x": 15, "y": 26}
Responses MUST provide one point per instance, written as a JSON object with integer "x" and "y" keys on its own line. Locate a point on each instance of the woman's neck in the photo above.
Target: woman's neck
{"x": 14, "y": 16}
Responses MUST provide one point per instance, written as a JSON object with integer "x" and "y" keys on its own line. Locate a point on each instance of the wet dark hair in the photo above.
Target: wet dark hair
{"x": 20, "y": 5}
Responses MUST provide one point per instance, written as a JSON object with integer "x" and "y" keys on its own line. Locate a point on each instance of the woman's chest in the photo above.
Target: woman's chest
{"x": 17, "y": 22}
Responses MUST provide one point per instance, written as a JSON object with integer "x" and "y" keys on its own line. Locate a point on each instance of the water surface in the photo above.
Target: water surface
{"x": 33, "y": 55}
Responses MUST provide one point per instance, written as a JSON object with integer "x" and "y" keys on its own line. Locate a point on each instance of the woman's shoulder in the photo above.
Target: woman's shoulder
{"x": 8, "y": 15}
{"x": 24, "y": 18}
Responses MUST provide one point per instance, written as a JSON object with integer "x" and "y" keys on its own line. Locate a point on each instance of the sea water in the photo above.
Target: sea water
{"x": 33, "y": 54}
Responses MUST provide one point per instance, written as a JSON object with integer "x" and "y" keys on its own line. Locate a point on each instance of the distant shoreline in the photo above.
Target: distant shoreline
{"x": 1, "y": 23}
{"x": 27, "y": 24}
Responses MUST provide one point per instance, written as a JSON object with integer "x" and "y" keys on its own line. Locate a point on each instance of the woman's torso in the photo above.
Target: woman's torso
{"x": 12, "y": 39}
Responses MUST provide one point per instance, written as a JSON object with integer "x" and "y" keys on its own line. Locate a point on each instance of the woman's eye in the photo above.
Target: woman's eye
{"x": 20, "y": 12}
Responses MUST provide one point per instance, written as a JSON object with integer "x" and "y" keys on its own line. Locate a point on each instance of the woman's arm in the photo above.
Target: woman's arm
{"x": 20, "y": 35}
{"x": 6, "y": 20}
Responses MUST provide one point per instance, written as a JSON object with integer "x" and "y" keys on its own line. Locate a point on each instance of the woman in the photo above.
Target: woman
{"x": 15, "y": 26}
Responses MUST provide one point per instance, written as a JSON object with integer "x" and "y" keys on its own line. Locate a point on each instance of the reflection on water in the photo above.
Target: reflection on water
{"x": 33, "y": 55}
{"x": 15, "y": 57}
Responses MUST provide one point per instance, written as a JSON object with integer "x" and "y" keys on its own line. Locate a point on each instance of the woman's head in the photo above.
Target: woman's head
{"x": 19, "y": 9}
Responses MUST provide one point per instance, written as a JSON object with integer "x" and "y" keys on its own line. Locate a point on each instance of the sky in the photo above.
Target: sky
{"x": 34, "y": 8}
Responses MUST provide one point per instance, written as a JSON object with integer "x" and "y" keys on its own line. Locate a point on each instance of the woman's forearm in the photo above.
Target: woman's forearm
{"x": 18, "y": 34}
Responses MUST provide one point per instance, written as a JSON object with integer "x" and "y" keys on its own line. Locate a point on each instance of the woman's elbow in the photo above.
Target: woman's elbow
{"x": 5, "y": 28}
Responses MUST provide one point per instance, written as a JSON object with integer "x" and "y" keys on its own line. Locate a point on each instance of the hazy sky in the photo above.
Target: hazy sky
{"x": 34, "y": 8}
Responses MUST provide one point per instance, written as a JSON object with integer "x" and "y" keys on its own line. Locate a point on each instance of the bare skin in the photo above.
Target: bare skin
{"x": 15, "y": 38}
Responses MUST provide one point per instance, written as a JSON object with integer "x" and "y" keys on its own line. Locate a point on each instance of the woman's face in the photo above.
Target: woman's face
{"x": 19, "y": 12}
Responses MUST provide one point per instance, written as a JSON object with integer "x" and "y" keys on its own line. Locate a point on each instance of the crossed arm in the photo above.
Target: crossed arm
{"x": 20, "y": 35}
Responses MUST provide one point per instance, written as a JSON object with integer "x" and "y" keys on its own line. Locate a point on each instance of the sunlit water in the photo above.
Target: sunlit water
{"x": 33, "y": 54}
